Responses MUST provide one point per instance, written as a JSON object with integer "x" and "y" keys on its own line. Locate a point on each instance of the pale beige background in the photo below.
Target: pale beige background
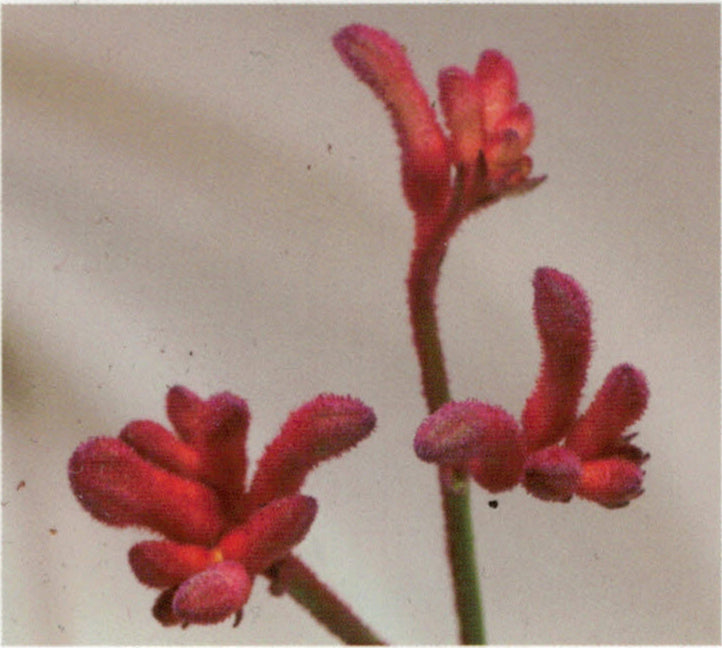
{"x": 205, "y": 195}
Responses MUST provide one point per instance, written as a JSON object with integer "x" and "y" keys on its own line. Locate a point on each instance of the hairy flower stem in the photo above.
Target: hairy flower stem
{"x": 307, "y": 590}
{"x": 422, "y": 282}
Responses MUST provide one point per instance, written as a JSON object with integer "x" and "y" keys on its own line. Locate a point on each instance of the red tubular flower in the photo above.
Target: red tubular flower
{"x": 489, "y": 130}
{"x": 191, "y": 488}
{"x": 563, "y": 321}
{"x": 380, "y": 62}
{"x": 116, "y": 486}
{"x": 322, "y": 428}
{"x": 596, "y": 460}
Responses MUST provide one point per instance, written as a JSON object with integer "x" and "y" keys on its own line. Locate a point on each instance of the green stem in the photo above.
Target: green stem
{"x": 299, "y": 581}
{"x": 460, "y": 551}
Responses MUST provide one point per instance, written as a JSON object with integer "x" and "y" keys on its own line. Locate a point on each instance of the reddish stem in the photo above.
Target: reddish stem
{"x": 422, "y": 282}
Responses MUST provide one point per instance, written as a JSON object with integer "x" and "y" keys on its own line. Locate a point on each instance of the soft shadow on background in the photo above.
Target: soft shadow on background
{"x": 205, "y": 195}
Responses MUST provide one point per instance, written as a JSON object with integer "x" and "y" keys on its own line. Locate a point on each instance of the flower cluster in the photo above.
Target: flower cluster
{"x": 489, "y": 130}
{"x": 554, "y": 452}
{"x": 191, "y": 488}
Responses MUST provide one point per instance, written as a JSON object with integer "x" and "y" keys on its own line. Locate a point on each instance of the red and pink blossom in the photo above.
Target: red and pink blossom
{"x": 190, "y": 487}
{"x": 555, "y": 452}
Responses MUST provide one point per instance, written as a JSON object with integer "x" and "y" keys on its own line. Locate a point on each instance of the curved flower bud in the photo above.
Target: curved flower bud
{"x": 323, "y": 428}
{"x": 497, "y": 82}
{"x": 552, "y": 474}
{"x": 462, "y": 103}
{"x": 490, "y": 131}
{"x": 380, "y": 62}
{"x": 611, "y": 482}
{"x": 214, "y": 594}
{"x": 484, "y": 438}
{"x": 270, "y": 533}
{"x": 563, "y": 321}
{"x": 163, "y": 563}
{"x": 116, "y": 486}
{"x": 184, "y": 409}
{"x": 156, "y": 444}
{"x": 619, "y": 403}
{"x": 217, "y": 428}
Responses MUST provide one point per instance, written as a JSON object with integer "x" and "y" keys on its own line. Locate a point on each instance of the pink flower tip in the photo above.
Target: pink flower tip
{"x": 330, "y": 425}
{"x": 562, "y": 312}
{"x": 213, "y": 594}
{"x": 321, "y": 429}
{"x": 552, "y": 474}
{"x": 381, "y": 62}
{"x": 484, "y": 439}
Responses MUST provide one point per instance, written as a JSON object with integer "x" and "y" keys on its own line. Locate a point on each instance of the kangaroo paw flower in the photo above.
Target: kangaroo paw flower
{"x": 554, "y": 453}
{"x": 489, "y": 130}
{"x": 191, "y": 488}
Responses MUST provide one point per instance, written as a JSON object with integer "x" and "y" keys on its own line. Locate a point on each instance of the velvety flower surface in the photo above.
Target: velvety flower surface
{"x": 191, "y": 488}
{"x": 555, "y": 452}
{"x": 489, "y": 130}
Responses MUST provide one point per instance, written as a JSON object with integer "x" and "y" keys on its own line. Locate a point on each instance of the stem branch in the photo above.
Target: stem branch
{"x": 299, "y": 581}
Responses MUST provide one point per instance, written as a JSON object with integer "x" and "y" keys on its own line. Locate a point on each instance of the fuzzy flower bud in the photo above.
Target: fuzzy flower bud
{"x": 552, "y": 474}
{"x": 214, "y": 594}
{"x": 323, "y": 428}
{"x": 380, "y": 62}
{"x": 217, "y": 428}
{"x": 484, "y": 438}
{"x": 563, "y": 321}
{"x": 163, "y": 563}
{"x": 612, "y": 482}
{"x": 619, "y": 403}
{"x": 157, "y": 445}
{"x": 270, "y": 533}
{"x": 118, "y": 487}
